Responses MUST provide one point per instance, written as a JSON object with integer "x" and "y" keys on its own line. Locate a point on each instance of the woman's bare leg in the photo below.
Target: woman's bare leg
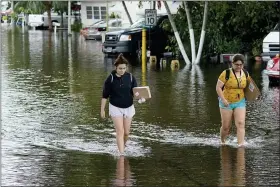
{"x": 239, "y": 118}
{"x": 126, "y": 125}
{"x": 118, "y": 122}
{"x": 226, "y": 116}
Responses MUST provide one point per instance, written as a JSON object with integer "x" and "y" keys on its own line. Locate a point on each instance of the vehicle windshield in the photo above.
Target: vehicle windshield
{"x": 277, "y": 27}
{"x": 98, "y": 22}
{"x": 139, "y": 23}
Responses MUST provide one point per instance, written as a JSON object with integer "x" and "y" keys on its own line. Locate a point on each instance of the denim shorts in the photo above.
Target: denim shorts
{"x": 232, "y": 106}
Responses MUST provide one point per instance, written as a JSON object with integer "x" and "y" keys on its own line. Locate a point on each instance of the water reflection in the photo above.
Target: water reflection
{"x": 123, "y": 173}
{"x": 233, "y": 166}
{"x": 51, "y": 101}
{"x": 70, "y": 66}
{"x": 190, "y": 82}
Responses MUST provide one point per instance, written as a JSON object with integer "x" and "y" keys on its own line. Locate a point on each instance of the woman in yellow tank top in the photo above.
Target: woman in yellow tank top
{"x": 232, "y": 99}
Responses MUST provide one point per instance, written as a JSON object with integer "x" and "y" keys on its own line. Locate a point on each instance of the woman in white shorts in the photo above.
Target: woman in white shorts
{"x": 118, "y": 88}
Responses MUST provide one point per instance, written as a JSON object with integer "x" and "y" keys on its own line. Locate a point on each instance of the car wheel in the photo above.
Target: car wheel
{"x": 273, "y": 80}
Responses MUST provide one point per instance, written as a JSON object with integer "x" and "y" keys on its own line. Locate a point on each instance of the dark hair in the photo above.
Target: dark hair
{"x": 238, "y": 57}
{"x": 120, "y": 60}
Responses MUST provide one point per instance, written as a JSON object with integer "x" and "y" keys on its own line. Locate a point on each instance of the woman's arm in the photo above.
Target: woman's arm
{"x": 219, "y": 90}
{"x": 134, "y": 82}
{"x": 102, "y": 110}
{"x": 133, "y": 85}
{"x": 105, "y": 96}
{"x": 220, "y": 93}
{"x": 219, "y": 87}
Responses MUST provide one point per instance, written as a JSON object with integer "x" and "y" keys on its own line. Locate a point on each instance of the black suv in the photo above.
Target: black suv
{"x": 129, "y": 41}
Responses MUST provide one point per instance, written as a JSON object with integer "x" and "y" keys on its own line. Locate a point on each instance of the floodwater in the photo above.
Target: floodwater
{"x": 52, "y": 134}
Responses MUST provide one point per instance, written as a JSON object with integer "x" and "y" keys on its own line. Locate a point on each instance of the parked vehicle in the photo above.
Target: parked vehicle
{"x": 94, "y": 24}
{"x": 273, "y": 69}
{"x": 95, "y": 30}
{"x": 271, "y": 44}
{"x": 41, "y": 20}
{"x": 129, "y": 41}
{"x": 35, "y": 20}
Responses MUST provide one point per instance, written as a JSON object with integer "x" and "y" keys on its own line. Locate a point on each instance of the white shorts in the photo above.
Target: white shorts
{"x": 121, "y": 112}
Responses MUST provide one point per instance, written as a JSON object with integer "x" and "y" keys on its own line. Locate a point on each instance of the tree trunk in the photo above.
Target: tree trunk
{"x": 192, "y": 39}
{"x": 179, "y": 41}
{"x": 48, "y": 7}
{"x": 201, "y": 42}
{"x": 127, "y": 13}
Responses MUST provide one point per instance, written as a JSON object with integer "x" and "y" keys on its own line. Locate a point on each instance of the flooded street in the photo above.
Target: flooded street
{"x": 52, "y": 134}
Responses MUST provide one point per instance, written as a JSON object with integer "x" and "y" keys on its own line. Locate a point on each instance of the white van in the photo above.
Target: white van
{"x": 271, "y": 44}
{"x": 36, "y": 20}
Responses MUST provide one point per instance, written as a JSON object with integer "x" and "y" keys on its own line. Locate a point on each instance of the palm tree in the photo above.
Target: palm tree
{"x": 127, "y": 13}
{"x": 48, "y": 8}
{"x": 29, "y": 7}
{"x": 35, "y": 7}
{"x": 39, "y": 7}
{"x": 192, "y": 39}
{"x": 177, "y": 36}
{"x": 202, "y": 36}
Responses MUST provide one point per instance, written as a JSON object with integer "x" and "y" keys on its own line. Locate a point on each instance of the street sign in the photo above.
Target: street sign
{"x": 150, "y": 17}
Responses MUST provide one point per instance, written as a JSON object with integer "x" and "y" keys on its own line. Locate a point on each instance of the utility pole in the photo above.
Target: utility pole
{"x": 107, "y": 16}
{"x": 69, "y": 18}
{"x": 12, "y": 7}
{"x": 127, "y": 13}
{"x": 178, "y": 39}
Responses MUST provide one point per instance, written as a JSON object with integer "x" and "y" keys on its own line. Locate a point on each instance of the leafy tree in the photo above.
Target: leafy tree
{"x": 39, "y": 7}
{"x": 241, "y": 25}
{"x": 29, "y": 7}
{"x": 113, "y": 15}
{"x": 60, "y": 7}
{"x": 233, "y": 26}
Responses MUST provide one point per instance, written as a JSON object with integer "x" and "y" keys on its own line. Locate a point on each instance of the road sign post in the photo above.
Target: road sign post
{"x": 150, "y": 17}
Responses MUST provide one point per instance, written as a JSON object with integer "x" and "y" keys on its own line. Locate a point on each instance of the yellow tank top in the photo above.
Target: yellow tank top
{"x": 234, "y": 87}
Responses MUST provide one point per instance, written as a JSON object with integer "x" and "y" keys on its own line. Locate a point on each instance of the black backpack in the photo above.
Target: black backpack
{"x": 228, "y": 74}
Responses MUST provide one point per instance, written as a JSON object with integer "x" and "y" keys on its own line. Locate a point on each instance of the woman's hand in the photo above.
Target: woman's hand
{"x": 141, "y": 100}
{"x": 225, "y": 102}
{"x": 102, "y": 114}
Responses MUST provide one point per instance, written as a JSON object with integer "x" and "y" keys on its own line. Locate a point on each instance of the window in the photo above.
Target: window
{"x": 89, "y": 12}
{"x": 103, "y": 12}
{"x": 96, "y": 14}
